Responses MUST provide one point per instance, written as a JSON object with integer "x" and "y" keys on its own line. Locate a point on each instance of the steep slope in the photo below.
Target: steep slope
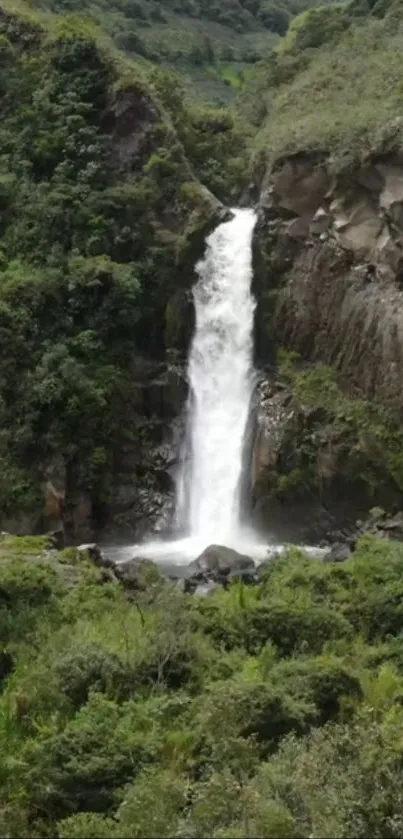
{"x": 212, "y": 44}
{"x": 329, "y": 169}
{"x": 102, "y": 218}
{"x": 333, "y": 85}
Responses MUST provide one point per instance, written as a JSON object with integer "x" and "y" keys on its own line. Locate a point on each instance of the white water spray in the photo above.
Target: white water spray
{"x": 221, "y": 379}
{"x": 221, "y": 383}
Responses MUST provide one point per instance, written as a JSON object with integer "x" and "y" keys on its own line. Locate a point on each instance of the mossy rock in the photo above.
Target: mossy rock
{"x": 139, "y": 574}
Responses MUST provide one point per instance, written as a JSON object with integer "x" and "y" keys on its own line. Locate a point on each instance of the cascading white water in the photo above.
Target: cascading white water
{"x": 221, "y": 383}
{"x": 221, "y": 379}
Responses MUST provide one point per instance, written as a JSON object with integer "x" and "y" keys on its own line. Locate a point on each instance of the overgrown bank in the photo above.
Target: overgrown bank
{"x": 213, "y": 45}
{"x": 322, "y": 457}
{"x": 271, "y": 710}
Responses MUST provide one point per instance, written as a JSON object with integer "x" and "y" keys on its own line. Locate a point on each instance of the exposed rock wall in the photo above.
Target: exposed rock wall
{"x": 329, "y": 270}
{"x": 146, "y": 461}
{"x": 328, "y": 255}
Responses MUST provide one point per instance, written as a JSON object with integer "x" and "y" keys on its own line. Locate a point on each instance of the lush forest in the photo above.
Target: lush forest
{"x": 89, "y": 255}
{"x": 265, "y": 711}
{"x": 212, "y": 44}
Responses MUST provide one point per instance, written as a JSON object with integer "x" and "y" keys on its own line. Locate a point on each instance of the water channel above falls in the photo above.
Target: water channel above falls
{"x": 221, "y": 383}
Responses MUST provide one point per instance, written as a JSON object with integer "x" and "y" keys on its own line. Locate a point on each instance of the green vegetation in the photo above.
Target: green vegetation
{"x": 202, "y": 39}
{"x": 270, "y": 711}
{"x": 214, "y": 141}
{"x": 332, "y": 85}
{"x": 89, "y": 254}
{"x": 273, "y": 710}
{"x": 334, "y": 435}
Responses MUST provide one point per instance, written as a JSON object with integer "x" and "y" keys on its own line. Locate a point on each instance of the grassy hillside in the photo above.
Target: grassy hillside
{"x": 334, "y": 84}
{"x": 212, "y": 44}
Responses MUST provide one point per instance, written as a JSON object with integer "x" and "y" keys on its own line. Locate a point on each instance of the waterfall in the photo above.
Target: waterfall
{"x": 211, "y": 486}
{"x": 221, "y": 379}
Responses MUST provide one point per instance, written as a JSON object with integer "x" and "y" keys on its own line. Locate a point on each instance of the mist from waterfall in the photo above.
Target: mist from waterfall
{"x": 221, "y": 383}
{"x": 221, "y": 379}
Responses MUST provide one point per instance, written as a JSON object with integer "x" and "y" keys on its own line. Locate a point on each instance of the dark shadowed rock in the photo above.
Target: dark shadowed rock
{"x": 57, "y": 539}
{"x": 93, "y": 552}
{"x": 205, "y": 589}
{"x": 6, "y": 665}
{"x": 138, "y": 574}
{"x": 135, "y": 574}
{"x": 129, "y": 117}
{"x": 338, "y": 552}
{"x": 392, "y": 527}
{"x": 220, "y": 565}
{"x": 382, "y": 526}
{"x": 379, "y": 525}
{"x": 264, "y": 568}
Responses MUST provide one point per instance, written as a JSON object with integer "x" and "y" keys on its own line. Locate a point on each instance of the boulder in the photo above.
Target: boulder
{"x": 135, "y": 574}
{"x": 138, "y": 574}
{"x": 338, "y": 552}
{"x": 205, "y": 589}
{"x": 91, "y": 551}
{"x": 220, "y": 564}
{"x": 383, "y": 527}
{"x": 393, "y": 527}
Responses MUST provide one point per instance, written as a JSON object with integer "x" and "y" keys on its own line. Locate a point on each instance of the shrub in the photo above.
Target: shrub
{"x": 81, "y": 767}
{"x": 289, "y": 625}
{"x": 316, "y": 27}
{"x": 95, "y": 669}
{"x": 336, "y": 783}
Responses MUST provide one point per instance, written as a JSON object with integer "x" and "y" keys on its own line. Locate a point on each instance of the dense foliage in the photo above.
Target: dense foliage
{"x": 273, "y": 710}
{"x": 270, "y": 711}
{"x": 90, "y": 255}
{"x": 332, "y": 435}
{"x": 213, "y": 43}
{"x": 331, "y": 85}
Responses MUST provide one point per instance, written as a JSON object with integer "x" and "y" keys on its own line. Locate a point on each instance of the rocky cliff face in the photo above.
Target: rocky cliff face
{"x": 330, "y": 270}
{"x": 147, "y": 458}
{"x": 328, "y": 279}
